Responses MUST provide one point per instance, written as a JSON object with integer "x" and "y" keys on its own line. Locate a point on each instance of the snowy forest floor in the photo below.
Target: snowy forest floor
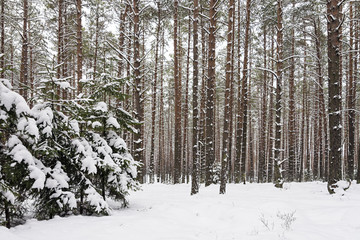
{"x": 253, "y": 211}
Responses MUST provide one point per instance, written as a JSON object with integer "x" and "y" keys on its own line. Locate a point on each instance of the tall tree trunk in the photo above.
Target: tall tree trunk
{"x": 65, "y": 55}
{"x": 139, "y": 109}
{"x": 351, "y": 104}
{"x": 278, "y": 163}
{"x": 129, "y": 89}
{"x": 162, "y": 158}
{"x": 231, "y": 103}
{"x": 357, "y": 41}
{"x": 237, "y": 174}
{"x": 178, "y": 130}
{"x": 24, "y": 53}
{"x": 153, "y": 108}
{"x": 316, "y": 128}
{"x": 303, "y": 134}
{"x": 202, "y": 121}
{"x": 31, "y": 68}
{"x": 250, "y": 173}
{"x": 270, "y": 135}
{"x": 79, "y": 50}
{"x": 122, "y": 34}
{"x": 195, "y": 138}
{"x": 210, "y": 123}
{"x": 292, "y": 134}
{"x": 185, "y": 143}
{"x": 319, "y": 156}
{"x": 322, "y": 132}
{"x": 60, "y": 44}
{"x": 96, "y": 40}
{"x": 12, "y": 50}
{"x": 226, "y": 134}
{"x": 262, "y": 143}
{"x": 334, "y": 17}
{"x": 244, "y": 95}
{"x": 2, "y": 40}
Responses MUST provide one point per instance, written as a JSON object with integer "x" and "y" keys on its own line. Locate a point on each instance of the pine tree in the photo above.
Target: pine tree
{"x": 226, "y": 133}
{"x": 195, "y": 132}
{"x": 334, "y": 16}
{"x": 210, "y": 97}
{"x": 177, "y": 80}
{"x": 278, "y": 178}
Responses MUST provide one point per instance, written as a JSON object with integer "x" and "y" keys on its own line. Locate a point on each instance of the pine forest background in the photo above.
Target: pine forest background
{"x": 211, "y": 91}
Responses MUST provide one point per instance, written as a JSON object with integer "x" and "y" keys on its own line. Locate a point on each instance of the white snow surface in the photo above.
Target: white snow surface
{"x": 300, "y": 211}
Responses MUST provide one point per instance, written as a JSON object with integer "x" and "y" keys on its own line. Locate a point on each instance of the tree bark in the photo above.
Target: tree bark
{"x": 139, "y": 109}
{"x": 226, "y": 134}
{"x": 292, "y": 134}
{"x": 24, "y": 53}
{"x": 270, "y": 135}
{"x": 154, "y": 89}
{"x": 244, "y": 95}
{"x": 351, "y": 104}
{"x": 178, "y": 130}
{"x": 195, "y": 139}
{"x": 303, "y": 134}
{"x": 79, "y": 48}
{"x": 162, "y": 161}
{"x": 237, "y": 174}
{"x": 334, "y": 17}
{"x": 262, "y": 143}
{"x": 210, "y": 98}
{"x": 96, "y": 40}
{"x": 278, "y": 178}
{"x": 185, "y": 142}
{"x": 2, "y": 40}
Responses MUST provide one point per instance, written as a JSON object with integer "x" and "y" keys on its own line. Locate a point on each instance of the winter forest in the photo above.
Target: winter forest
{"x": 166, "y": 104}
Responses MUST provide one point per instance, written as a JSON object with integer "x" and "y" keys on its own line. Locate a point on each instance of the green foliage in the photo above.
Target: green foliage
{"x": 72, "y": 156}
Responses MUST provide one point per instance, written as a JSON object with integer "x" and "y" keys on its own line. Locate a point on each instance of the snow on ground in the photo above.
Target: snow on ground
{"x": 301, "y": 211}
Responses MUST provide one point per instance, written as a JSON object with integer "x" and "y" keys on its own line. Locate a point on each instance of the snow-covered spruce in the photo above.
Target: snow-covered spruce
{"x": 20, "y": 172}
{"x": 101, "y": 154}
{"x": 62, "y": 164}
{"x": 52, "y": 149}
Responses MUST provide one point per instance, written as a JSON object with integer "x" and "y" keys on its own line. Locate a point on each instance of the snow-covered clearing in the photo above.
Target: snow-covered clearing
{"x": 254, "y": 211}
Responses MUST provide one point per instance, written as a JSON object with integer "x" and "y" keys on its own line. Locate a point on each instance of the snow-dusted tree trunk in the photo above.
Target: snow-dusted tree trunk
{"x": 154, "y": 89}
{"x": 291, "y": 175}
{"x": 238, "y": 112}
{"x": 2, "y": 39}
{"x": 303, "y": 133}
{"x": 185, "y": 143}
{"x": 231, "y": 101}
{"x": 357, "y": 41}
{"x": 262, "y": 143}
{"x": 60, "y": 42}
{"x": 270, "y": 127}
{"x": 278, "y": 163}
{"x": 210, "y": 96}
{"x": 195, "y": 132}
{"x": 138, "y": 103}
{"x": 178, "y": 130}
{"x": 202, "y": 120}
{"x": 321, "y": 114}
{"x": 226, "y": 134}
{"x": 162, "y": 157}
{"x": 97, "y": 29}
{"x": 351, "y": 96}
{"x": 334, "y": 18}
{"x": 24, "y": 53}
{"x": 244, "y": 96}
{"x": 79, "y": 48}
